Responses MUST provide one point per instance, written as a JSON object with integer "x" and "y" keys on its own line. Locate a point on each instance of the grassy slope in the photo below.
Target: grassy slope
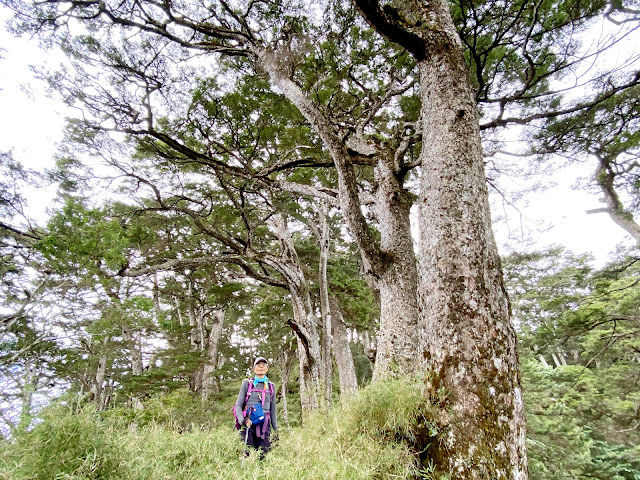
{"x": 372, "y": 436}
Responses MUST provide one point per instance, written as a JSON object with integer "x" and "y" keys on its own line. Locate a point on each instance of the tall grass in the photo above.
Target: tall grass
{"x": 373, "y": 436}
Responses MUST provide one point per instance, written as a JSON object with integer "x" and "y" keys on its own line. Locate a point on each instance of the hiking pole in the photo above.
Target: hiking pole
{"x": 246, "y": 437}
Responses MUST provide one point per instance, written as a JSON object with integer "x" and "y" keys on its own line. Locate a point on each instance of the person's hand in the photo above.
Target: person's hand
{"x": 248, "y": 423}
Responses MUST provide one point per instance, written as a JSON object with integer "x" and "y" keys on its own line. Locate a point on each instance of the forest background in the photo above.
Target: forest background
{"x": 140, "y": 301}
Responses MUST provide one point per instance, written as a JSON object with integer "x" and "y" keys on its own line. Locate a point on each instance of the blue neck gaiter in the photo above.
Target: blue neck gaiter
{"x": 257, "y": 381}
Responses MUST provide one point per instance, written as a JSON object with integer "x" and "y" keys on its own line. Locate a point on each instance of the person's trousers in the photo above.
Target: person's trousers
{"x": 254, "y": 440}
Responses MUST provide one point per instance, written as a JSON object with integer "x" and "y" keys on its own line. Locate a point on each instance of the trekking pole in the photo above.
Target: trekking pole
{"x": 246, "y": 436}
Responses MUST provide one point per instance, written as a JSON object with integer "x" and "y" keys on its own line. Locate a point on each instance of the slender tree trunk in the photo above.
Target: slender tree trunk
{"x": 208, "y": 378}
{"x": 303, "y": 322}
{"x": 134, "y": 350}
{"x": 156, "y": 299}
{"x": 286, "y": 375}
{"x": 327, "y": 363}
{"x": 305, "y": 396}
{"x": 543, "y": 361}
{"x": 342, "y": 352}
{"x": 178, "y": 312}
{"x": 309, "y": 351}
{"x": 29, "y": 387}
{"x": 193, "y": 322}
{"x": 98, "y": 384}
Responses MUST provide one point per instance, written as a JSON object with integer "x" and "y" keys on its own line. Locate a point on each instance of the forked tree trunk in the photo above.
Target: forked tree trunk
{"x": 390, "y": 265}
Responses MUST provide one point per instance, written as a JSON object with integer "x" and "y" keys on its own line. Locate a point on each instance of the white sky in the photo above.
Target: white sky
{"x": 31, "y": 124}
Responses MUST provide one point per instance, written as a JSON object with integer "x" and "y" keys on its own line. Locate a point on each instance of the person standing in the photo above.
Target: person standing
{"x": 255, "y": 409}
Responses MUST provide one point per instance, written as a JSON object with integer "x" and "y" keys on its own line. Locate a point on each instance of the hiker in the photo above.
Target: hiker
{"x": 255, "y": 409}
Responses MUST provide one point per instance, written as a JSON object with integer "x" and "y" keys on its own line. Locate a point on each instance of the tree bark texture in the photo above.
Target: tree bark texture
{"x": 467, "y": 334}
{"x": 465, "y": 330}
{"x": 397, "y": 279}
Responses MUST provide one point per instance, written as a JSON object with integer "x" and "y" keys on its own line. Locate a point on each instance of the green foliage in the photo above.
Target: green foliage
{"x": 371, "y": 437}
{"x": 356, "y": 300}
{"x": 180, "y": 410}
{"x": 362, "y": 364}
{"x": 82, "y": 239}
{"x": 571, "y": 429}
{"x": 582, "y": 412}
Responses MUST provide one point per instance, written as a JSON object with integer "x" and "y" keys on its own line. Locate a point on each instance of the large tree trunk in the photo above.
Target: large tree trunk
{"x": 342, "y": 351}
{"x": 466, "y": 332}
{"x": 209, "y": 384}
{"x": 468, "y": 335}
{"x": 397, "y": 348}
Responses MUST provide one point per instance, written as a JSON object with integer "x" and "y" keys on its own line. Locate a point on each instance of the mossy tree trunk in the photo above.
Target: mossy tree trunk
{"x": 466, "y": 334}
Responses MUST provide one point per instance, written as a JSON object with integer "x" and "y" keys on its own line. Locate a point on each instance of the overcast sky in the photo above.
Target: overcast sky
{"x": 31, "y": 124}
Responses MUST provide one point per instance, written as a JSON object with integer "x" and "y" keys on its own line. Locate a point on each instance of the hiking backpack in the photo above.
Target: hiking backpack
{"x": 257, "y": 411}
